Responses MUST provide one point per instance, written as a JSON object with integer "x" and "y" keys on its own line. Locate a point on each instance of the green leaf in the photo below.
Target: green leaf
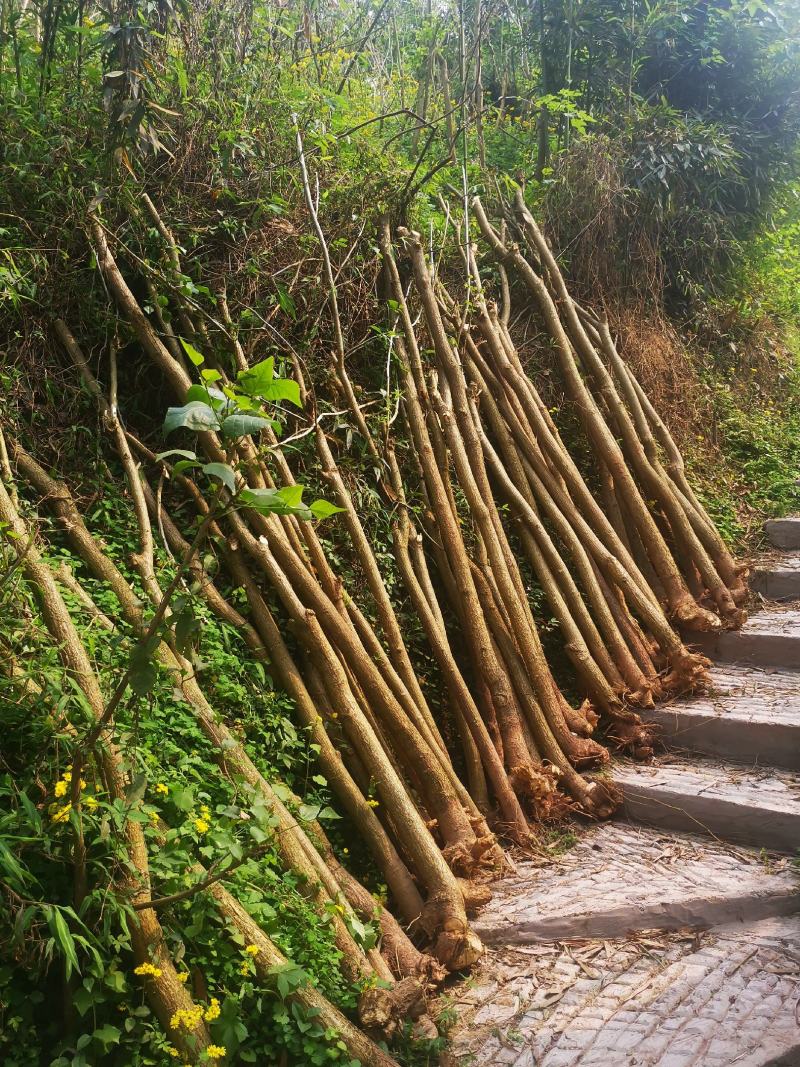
{"x": 265, "y": 501}
{"x": 323, "y": 509}
{"x": 258, "y": 377}
{"x": 60, "y": 931}
{"x": 241, "y": 424}
{"x": 107, "y": 1035}
{"x": 196, "y": 357}
{"x": 185, "y": 465}
{"x": 186, "y": 626}
{"x": 309, "y": 812}
{"x": 223, "y": 472}
{"x": 329, "y": 814}
{"x": 83, "y": 1000}
{"x": 292, "y": 495}
{"x": 144, "y": 671}
{"x": 196, "y": 415}
{"x": 283, "y": 389}
{"x": 287, "y": 304}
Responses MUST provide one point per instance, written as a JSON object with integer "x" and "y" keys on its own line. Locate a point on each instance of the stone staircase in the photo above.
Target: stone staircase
{"x": 670, "y": 938}
{"x": 734, "y": 753}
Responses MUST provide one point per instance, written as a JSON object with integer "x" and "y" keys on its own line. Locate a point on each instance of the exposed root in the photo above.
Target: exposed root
{"x": 602, "y": 799}
{"x": 384, "y": 1012}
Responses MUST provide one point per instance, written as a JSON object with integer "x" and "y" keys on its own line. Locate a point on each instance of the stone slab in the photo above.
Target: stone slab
{"x": 620, "y": 879}
{"x": 729, "y": 996}
{"x": 777, "y": 577}
{"x": 783, "y": 533}
{"x": 749, "y": 805}
{"x": 750, "y": 714}
{"x": 769, "y": 638}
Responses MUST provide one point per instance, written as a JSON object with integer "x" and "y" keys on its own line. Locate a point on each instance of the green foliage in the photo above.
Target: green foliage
{"x": 46, "y": 946}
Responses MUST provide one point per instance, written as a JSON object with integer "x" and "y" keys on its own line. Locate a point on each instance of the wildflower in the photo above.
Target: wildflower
{"x": 61, "y": 789}
{"x": 153, "y": 816}
{"x": 173, "y": 1052}
{"x": 187, "y": 1017}
{"x": 212, "y": 1011}
{"x": 67, "y": 776}
{"x": 62, "y": 814}
{"x": 346, "y": 851}
{"x": 245, "y": 968}
{"x": 252, "y": 950}
{"x": 90, "y": 803}
{"x": 148, "y": 968}
{"x": 215, "y": 1052}
{"x": 201, "y": 826}
{"x": 162, "y": 789}
{"x": 372, "y": 803}
{"x": 205, "y": 811}
{"x": 183, "y": 978}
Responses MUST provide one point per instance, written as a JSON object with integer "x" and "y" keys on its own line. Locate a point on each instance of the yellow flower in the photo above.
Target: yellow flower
{"x": 183, "y": 978}
{"x": 201, "y": 826}
{"x": 245, "y": 967}
{"x": 67, "y": 776}
{"x": 153, "y": 816}
{"x": 148, "y": 968}
{"x": 90, "y": 803}
{"x": 212, "y": 1011}
{"x": 61, "y": 789}
{"x": 62, "y": 814}
{"x": 252, "y": 950}
{"x": 373, "y": 803}
{"x": 162, "y": 789}
{"x": 188, "y": 1017}
{"x": 173, "y": 1052}
{"x": 215, "y": 1052}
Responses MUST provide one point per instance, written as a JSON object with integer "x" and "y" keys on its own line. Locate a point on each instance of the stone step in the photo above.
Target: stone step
{"x": 777, "y": 577}
{"x": 727, "y": 997}
{"x": 751, "y": 715}
{"x": 748, "y": 805}
{"x": 619, "y": 879}
{"x": 769, "y": 638}
{"x": 783, "y": 533}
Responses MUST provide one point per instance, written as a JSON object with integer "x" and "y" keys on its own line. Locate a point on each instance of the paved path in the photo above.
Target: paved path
{"x": 671, "y": 939}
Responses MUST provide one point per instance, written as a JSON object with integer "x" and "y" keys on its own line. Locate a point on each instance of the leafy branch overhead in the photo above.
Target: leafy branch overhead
{"x": 236, "y": 412}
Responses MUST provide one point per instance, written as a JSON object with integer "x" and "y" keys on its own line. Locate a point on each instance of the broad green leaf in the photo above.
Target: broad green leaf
{"x": 144, "y": 671}
{"x": 107, "y": 1035}
{"x": 329, "y": 814}
{"x": 256, "y": 378}
{"x": 185, "y": 465}
{"x": 323, "y": 509}
{"x": 309, "y": 812}
{"x": 283, "y": 389}
{"x": 196, "y": 415}
{"x": 292, "y": 495}
{"x": 241, "y": 424}
{"x": 223, "y": 472}
{"x": 186, "y": 626}
{"x": 196, "y": 357}
{"x": 270, "y": 502}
